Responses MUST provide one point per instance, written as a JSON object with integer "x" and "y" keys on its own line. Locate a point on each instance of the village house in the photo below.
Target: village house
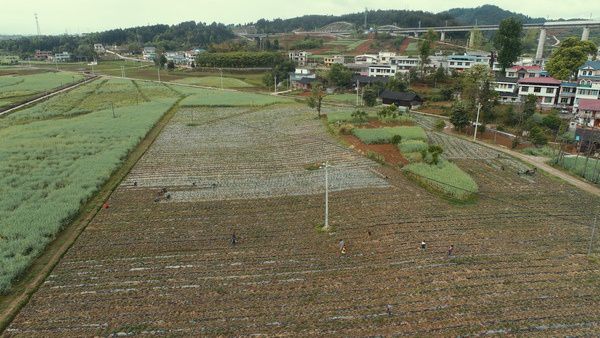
{"x": 99, "y": 48}
{"x": 507, "y": 89}
{"x": 299, "y": 57}
{"x": 588, "y": 113}
{"x": 521, "y": 72}
{"x": 366, "y": 59}
{"x": 149, "y": 53}
{"x": 401, "y": 99}
{"x": 302, "y": 78}
{"x": 588, "y": 82}
{"x": 62, "y": 57}
{"x": 42, "y": 55}
{"x": 405, "y": 63}
{"x": 382, "y": 70}
{"x": 463, "y": 62}
{"x": 545, "y": 89}
{"x": 335, "y": 59}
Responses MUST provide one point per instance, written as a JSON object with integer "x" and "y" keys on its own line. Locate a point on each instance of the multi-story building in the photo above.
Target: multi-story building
{"x": 588, "y": 113}
{"x": 463, "y": 62}
{"x": 299, "y": 57}
{"x": 588, "y": 79}
{"x": 99, "y": 48}
{"x": 382, "y": 70}
{"x": 62, "y": 57}
{"x": 521, "y": 72}
{"x": 42, "y": 55}
{"x": 546, "y": 90}
{"x": 405, "y": 63}
{"x": 331, "y": 60}
{"x": 566, "y": 97}
{"x": 149, "y": 53}
{"x": 385, "y": 57}
{"x": 507, "y": 88}
{"x": 366, "y": 59}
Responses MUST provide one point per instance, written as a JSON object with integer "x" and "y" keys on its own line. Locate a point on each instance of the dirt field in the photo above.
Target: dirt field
{"x": 168, "y": 268}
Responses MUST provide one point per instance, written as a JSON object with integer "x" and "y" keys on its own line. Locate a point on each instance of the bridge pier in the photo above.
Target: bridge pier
{"x": 472, "y": 39}
{"x": 442, "y": 36}
{"x": 540, "y": 49}
{"x": 417, "y": 35}
{"x": 586, "y": 34}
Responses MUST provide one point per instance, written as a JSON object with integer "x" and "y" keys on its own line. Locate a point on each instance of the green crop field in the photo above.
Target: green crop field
{"x": 445, "y": 177}
{"x": 15, "y": 88}
{"x": 56, "y": 155}
{"x": 214, "y": 81}
{"x": 588, "y": 169}
{"x": 224, "y": 98}
{"x": 412, "y": 146}
{"x": 384, "y": 135}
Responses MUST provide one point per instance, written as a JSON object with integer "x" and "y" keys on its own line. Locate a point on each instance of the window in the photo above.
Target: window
{"x": 531, "y": 75}
{"x": 451, "y": 63}
{"x": 525, "y": 89}
{"x": 459, "y": 63}
{"x": 511, "y": 74}
{"x": 564, "y": 100}
{"x": 549, "y": 90}
{"x": 537, "y": 89}
{"x": 548, "y": 100}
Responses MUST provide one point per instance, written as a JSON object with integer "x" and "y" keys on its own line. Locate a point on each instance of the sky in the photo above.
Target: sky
{"x": 82, "y": 16}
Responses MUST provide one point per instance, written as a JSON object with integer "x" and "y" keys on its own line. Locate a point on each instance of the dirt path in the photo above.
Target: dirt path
{"x": 40, "y": 269}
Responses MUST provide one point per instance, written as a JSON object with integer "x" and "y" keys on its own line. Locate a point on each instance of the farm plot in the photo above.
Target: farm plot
{"x": 168, "y": 268}
{"x": 53, "y": 161}
{"x": 456, "y": 148}
{"x": 15, "y": 88}
{"x": 224, "y": 98}
{"x": 214, "y": 81}
{"x": 233, "y": 153}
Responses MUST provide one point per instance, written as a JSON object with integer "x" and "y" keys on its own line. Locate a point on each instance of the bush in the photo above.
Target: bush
{"x": 396, "y": 139}
{"x": 346, "y": 129}
{"x": 440, "y": 125}
{"x": 537, "y": 136}
{"x": 377, "y": 157}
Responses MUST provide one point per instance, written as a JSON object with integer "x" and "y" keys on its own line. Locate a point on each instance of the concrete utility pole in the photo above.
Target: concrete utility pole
{"x": 275, "y": 83}
{"x": 477, "y": 122}
{"x": 357, "y": 96}
{"x": 586, "y": 34}
{"x": 159, "y": 73}
{"x": 123, "y": 71}
{"x": 326, "y": 166}
{"x": 221, "y": 69}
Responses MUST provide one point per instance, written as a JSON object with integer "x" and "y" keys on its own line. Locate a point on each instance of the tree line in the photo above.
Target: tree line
{"x": 184, "y": 35}
{"x": 239, "y": 59}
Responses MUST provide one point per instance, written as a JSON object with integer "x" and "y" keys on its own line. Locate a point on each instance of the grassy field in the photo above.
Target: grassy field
{"x": 384, "y": 135}
{"x": 56, "y": 155}
{"x": 16, "y": 88}
{"x": 341, "y": 98}
{"x": 214, "y": 81}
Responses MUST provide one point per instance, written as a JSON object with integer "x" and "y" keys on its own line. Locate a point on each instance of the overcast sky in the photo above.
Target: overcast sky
{"x": 79, "y": 16}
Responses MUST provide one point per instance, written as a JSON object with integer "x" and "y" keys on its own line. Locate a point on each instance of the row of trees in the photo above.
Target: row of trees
{"x": 239, "y": 59}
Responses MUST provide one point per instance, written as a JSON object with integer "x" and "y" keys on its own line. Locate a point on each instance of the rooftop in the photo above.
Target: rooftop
{"x": 403, "y": 96}
{"x": 550, "y": 81}
{"x": 589, "y": 104}
{"x": 591, "y": 64}
{"x": 527, "y": 68}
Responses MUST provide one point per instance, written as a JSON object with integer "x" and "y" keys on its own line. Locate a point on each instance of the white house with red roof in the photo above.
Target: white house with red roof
{"x": 522, "y": 72}
{"x": 588, "y": 113}
{"x": 546, "y": 89}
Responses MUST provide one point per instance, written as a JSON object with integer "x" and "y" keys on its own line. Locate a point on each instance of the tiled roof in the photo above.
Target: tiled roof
{"x": 591, "y": 64}
{"x": 589, "y": 104}
{"x": 540, "y": 81}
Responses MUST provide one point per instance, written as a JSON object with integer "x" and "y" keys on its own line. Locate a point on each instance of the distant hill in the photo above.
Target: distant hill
{"x": 486, "y": 15}
{"x": 375, "y": 18}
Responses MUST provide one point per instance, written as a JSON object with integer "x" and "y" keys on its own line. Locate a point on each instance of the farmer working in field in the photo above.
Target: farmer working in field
{"x": 233, "y": 239}
{"x": 423, "y": 245}
{"x": 450, "y": 250}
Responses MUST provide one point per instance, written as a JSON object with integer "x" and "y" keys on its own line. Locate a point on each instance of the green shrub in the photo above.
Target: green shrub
{"x": 440, "y": 125}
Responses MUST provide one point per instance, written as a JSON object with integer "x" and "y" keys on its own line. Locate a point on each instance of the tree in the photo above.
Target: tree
{"x": 478, "y": 39}
{"x": 281, "y": 70}
{"x": 425, "y": 48}
{"x": 459, "y": 116}
{"x": 476, "y": 86}
{"x": 160, "y": 60}
{"x": 339, "y": 75}
{"x": 170, "y": 65}
{"x": 370, "y": 96}
{"x": 397, "y": 83}
{"x": 359, "y": 115}
{"x": 552, "y": 121}
{"x": 569, "y": 56}
{"x": 537, "y": 137}
{"x": 435, "y": 152}
{"x": 315, "y": 100}
{"x": 508, "y": 42}
{"x": 529, "y": 107}
{"x": 439, "y": 76}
